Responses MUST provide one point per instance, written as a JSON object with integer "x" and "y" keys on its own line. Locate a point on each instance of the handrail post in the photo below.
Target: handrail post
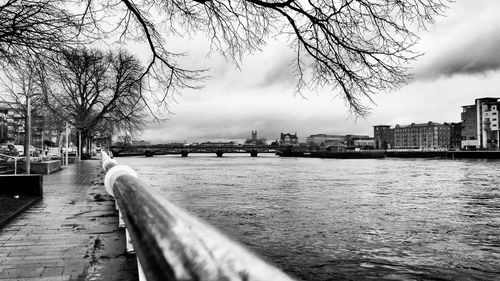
{"x": 15, "y": 161}
{"x": 107, "y": 164}
{"x": 128, "y": 242}
{"x": 121, "y": 222}
{"x": 142, "y": 277}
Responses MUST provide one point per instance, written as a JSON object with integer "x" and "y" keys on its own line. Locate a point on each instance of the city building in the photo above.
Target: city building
{"x": 358, "y": 141}
{"x": 455, "y": 134}
{"x": 289, "y": 139}
{"x": 480, "y": 127}
{"x": 323, "y": 139}
{"x": 255, "y": 141}
{"x": 469, "y": 127}
{"x": 3, "y": 126}
{"x": 13, "y": 122}
{"x": 332, "y": 146}
{"x": 383, "y": 137}
{"x": 364, "y": 143}
{"x": 12, "y": 126}
{"x": 428, "y": 135}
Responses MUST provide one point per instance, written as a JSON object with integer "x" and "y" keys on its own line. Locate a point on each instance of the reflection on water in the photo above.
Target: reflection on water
{"x": 334, "y": 219}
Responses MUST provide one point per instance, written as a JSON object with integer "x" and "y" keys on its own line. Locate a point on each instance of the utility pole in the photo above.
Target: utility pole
{"x": 27, "y": 133}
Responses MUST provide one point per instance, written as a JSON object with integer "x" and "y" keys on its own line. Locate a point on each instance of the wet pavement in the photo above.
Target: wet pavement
{"x": 71, "y": 234}
{"x": 11, "y": 206}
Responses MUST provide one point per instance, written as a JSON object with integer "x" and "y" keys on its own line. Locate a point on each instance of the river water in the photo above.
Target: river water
{"x": 345, "y": 219}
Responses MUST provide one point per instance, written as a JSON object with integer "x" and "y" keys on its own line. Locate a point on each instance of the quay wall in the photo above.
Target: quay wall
{"x": 18, "y": 193}
{"x": 30, "y": 185}
{"x": 395, "y": 154}
{"x": 445, "y": 154}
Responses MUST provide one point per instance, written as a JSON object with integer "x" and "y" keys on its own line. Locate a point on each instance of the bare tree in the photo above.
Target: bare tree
{"x": 98, "y": 93}
{"x": 356, "y": 48}
{"x": 20, "y": 82}
{"x": 36, "y": 27}
{"x": 17, "y": 86}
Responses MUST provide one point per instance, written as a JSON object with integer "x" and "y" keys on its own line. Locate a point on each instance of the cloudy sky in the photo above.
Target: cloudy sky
{"x": 461, "y": 63}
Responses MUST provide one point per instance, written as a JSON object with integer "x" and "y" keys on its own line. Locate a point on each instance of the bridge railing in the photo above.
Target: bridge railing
{"x": 170, "y": 243}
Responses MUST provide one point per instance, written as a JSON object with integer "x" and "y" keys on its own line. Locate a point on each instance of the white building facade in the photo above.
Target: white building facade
{"x": 481, "y": 125}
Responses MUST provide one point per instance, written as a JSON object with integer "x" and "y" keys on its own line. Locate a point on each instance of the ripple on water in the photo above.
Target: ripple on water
{"x": 329, "y": 219}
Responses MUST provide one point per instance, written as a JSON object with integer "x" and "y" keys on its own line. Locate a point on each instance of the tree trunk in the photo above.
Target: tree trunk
{"x": 85, "y": 150}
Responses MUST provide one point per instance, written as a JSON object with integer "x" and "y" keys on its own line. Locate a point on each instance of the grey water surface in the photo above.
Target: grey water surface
{"x": 345, "y": 219}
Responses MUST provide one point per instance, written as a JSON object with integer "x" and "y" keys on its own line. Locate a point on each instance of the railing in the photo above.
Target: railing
{"x": 15, "y": 161}
{"x": 172, "y": 244}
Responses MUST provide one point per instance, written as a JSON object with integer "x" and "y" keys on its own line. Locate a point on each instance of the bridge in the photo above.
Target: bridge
{"x": 185, "y": 150}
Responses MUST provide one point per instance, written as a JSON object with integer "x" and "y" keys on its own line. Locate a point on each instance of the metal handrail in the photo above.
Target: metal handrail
{"x": 15, "y": 161}
{"x": 172, "y": 244}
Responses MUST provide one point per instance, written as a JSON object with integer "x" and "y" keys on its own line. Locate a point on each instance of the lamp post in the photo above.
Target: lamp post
{"x": 67, "y": 142}
{"x": 27, "y": 133}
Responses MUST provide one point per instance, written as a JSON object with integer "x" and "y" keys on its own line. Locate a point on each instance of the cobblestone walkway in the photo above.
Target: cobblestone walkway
{"x": 71, "y": 234}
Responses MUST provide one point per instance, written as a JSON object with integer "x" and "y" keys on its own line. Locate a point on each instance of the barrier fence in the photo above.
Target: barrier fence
{"x": 170, "y": 243}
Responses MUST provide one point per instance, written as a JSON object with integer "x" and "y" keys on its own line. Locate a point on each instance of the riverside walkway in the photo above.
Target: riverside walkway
{"x": 71, "y": 234}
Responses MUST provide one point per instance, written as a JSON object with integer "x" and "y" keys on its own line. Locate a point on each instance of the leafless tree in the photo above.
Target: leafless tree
{"x": 19, "y": 82}
{"x": 17, "y": 86}
{"x": 36, "y": 27}
{"x": 356, "y": 48}
{"x": 98, "y": 93}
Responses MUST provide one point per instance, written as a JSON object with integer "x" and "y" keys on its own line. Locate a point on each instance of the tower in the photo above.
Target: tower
{"x": 254, "y": 135}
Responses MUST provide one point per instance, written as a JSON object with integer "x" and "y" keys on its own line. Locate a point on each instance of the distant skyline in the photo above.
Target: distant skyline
{"x": 461, "y": 63}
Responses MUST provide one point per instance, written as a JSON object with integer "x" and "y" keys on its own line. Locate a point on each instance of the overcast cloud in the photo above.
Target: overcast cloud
{"x": 461, "y": 63}
{"x": 470, "y": 49}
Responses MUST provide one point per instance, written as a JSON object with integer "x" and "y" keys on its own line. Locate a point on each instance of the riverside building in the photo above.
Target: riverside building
{"x": 480, "y": 128}
{"x": 430, "y": 135}
{"x": 289, "y": 139}
{"x": 323, "y": 139}
{"x": 254, "y": 140}
{"x": 383, "y": 137}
